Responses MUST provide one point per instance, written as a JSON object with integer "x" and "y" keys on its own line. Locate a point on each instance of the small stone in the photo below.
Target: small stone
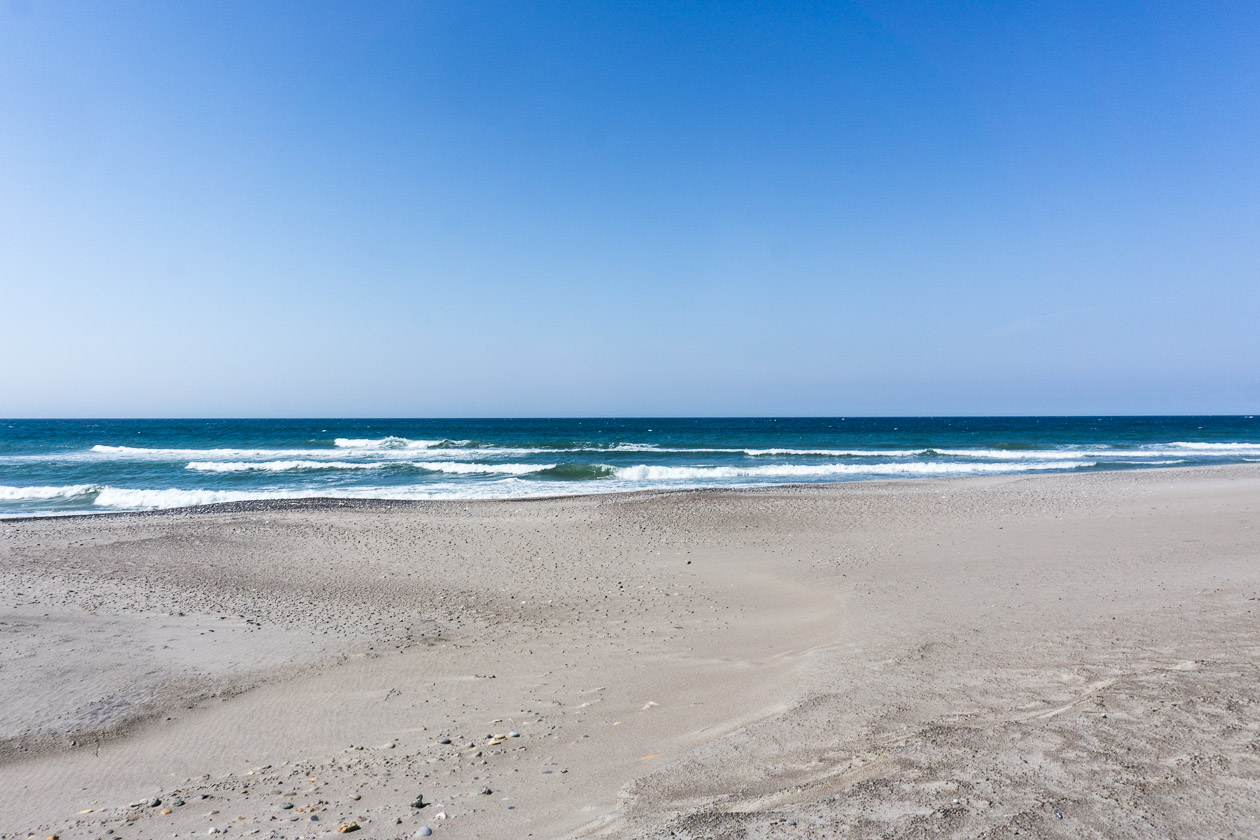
{"x": 514, "y": 734}
{"x": 440, "y": 815}
{"x": 418, "y": 802}
{"x": 444, "y": 740}
{"x": 166, "y": 811}
{"x": 286, "y": 805}
{"x": 355, "y": 797}
{"x": 314, "y": 818}
{"x": 424, "y": 831}
{"x": 212, "y": 830}
{"x": 293, "y": 817}
{"x": 177, "y": 802}
{"x": 346, "y": 828}
{"x": 485, "y": 791}
{"x": 154, "y": 802}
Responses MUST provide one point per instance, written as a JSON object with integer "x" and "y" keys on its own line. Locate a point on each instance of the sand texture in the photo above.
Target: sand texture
{"x": 1048, "y": 656}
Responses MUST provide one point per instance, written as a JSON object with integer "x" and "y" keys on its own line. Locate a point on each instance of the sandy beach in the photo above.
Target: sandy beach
{"x": 1045, "y": 656}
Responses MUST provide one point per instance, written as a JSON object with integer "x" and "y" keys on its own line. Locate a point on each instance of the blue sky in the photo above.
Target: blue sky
{"x": 475, "y": 209}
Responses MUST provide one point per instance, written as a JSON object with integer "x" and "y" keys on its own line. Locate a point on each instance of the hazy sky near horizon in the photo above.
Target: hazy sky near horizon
{"x": 512, "y": 209}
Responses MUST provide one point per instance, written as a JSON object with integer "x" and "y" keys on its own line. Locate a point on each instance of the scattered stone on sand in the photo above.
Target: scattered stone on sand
{"x": 444, "y": 740}
{"x": 286, "y": 805}
{"x": 418, "y": 802}
{"x": 346, "y": 828}
{"x": 424, "y": 831}
{"x": 485, "y": 791}
{"x": 514, "y": 734}
{"x": 354, "y": 796}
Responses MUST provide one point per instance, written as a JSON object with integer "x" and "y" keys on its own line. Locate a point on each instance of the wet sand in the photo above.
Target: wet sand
{"x": 1051, "y": 656}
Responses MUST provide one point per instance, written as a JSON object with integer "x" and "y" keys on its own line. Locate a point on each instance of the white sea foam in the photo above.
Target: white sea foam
{"x": 387, "y": 443}
{"x": 459, "y": 468}
{"x": 1216, "y": 448}
{"x": 648, "y": 472}
{"x": 21, "y": 494}
{"x": 483, "y": 469}
{"x": 132, "y": 499}
{"x": 280, "y": 466}
{"x": 1020, "y": 454}
{"x": 145, "y": 499}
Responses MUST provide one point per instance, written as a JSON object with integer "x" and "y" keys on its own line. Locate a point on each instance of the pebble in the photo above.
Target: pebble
{"x": 424, "y": 831}
{"x": 418, "y": 802}
{"x": 485, "y": 791}
{"x": 177, "y": 802}
{"x": 346, "y": 828}
{"x": 514, "y": 734}
{"x": 444, "y": 740}
{"x": 355, "y": 797}
{"x": 286, "y": 805}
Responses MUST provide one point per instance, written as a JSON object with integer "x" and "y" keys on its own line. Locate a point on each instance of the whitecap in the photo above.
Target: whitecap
{"x": 69, "y": 491}
{"x": 648, "y": 472}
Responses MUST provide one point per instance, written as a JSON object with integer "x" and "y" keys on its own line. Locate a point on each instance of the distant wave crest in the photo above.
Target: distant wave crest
{"x": 385, "y": 443}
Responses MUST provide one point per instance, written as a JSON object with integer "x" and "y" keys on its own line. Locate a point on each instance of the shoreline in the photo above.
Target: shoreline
{"x": 384, "y": 504}
{"x": 859, "y": 657}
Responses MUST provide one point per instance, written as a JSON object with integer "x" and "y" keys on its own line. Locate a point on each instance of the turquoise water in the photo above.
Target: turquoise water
{"x": 81, "y": 466}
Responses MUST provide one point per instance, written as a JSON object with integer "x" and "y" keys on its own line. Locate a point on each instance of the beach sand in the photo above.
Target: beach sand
{"x": 1046, "y": 656}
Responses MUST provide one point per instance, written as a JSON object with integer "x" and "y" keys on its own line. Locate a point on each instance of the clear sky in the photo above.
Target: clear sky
{"x": 593, "y": 208}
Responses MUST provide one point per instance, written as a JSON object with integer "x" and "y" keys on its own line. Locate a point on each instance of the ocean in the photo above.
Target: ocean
{"x": 92, "y": 466}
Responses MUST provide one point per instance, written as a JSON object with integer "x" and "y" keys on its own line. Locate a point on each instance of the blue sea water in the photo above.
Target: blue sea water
{"x": 83, "y": 466}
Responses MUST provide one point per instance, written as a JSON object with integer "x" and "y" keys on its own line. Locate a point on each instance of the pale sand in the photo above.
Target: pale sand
{"x": 1052, "y": 656}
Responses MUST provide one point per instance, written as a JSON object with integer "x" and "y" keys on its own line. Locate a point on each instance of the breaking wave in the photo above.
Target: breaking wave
{"x": 386, "y": 443}
{"x": 31, "y": 494}
{"x": 647, "y": 472}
